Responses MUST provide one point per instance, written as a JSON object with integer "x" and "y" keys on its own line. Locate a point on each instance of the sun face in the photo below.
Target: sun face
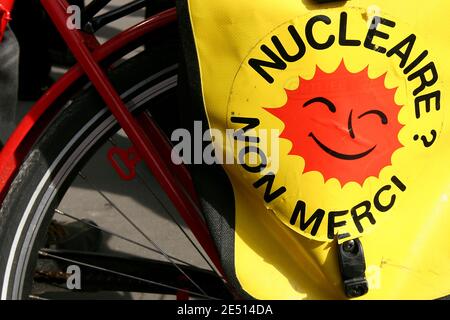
{"x": 344, "y": 125}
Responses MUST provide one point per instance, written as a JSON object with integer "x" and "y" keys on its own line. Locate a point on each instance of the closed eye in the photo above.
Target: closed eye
{"x": 322, "y": 100}
{"x": 379, "y": 113}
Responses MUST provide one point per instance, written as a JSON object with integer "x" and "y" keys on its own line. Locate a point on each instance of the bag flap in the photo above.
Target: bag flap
{"x": 331, "y": 124}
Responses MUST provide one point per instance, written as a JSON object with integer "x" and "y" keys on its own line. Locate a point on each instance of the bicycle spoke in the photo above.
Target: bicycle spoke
{"x": 117, "y": 235}
{"x": 53, "y": 285}
{"x": 80, "y": 263}
{"x": 167, "y": 211}
{"x": 139, "y": 230}
{"x": 34, "y": 297}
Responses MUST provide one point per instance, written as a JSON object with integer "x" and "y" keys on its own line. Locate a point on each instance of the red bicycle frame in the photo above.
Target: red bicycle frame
{"x": 143, "y": 133}
{"x": 5, "y": 10}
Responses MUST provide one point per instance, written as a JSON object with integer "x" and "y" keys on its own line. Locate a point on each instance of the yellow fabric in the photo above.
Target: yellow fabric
{"x": 397, "y": 203}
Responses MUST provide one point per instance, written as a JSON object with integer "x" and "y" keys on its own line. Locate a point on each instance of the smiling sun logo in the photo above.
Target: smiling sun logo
{"x": 344, "y": 125}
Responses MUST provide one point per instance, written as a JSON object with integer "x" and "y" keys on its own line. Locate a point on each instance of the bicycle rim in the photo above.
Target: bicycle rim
{"x": 36, "y": 215}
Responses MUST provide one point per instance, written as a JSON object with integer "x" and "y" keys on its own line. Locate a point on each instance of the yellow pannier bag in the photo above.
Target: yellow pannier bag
{"x": 337, "y": 132}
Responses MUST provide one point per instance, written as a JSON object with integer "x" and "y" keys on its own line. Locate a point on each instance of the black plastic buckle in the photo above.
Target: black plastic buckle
{"x": 353, "y": 267}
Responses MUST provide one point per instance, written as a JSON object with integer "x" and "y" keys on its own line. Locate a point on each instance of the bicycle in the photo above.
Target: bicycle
{"x": 89, "y": 115}
{"x": 160, "y": 86}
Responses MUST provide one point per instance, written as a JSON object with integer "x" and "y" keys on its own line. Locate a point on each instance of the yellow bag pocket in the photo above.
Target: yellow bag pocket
{"x": 339, "y": 130}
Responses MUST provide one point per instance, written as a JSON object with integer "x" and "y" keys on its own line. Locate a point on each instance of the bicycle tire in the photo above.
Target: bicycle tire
{"x": 66, "y": 145}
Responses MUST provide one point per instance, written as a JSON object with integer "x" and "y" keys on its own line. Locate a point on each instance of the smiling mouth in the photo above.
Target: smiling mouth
{"x": 338, "y": 154}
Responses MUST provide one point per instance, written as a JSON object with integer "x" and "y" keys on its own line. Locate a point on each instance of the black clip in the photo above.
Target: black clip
{"x": 353, "y": 267}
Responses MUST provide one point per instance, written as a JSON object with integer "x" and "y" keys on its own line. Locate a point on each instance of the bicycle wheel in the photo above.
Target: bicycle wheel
{"x": 51, "y": 225}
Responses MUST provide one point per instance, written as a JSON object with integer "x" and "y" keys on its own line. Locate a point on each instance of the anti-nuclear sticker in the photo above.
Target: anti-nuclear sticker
{"x": 358, "y": 106}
